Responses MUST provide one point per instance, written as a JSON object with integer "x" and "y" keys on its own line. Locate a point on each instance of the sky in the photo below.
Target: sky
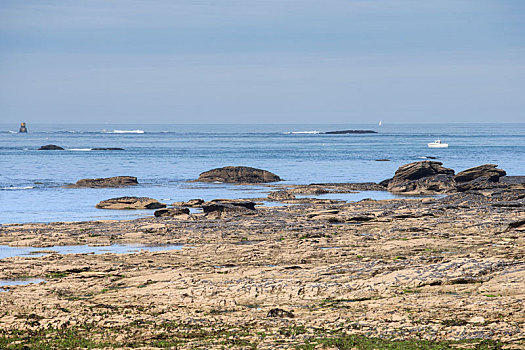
{"x": 262, "y": 61}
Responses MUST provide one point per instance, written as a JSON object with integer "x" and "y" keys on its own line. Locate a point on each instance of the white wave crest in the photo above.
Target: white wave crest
{"x": 303, "y": 132}
{"x": 16, "y": 188}
{"x": 138, "y": 131}
{"x": 79, "y": 149}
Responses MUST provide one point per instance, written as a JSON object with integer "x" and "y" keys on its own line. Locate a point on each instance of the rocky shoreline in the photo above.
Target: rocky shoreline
{"x": 422, "y": 273}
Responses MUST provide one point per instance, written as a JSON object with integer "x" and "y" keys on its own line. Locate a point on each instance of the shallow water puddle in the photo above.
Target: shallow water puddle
{"x": 8, "y": 252}
{"x": 19, "y": 282}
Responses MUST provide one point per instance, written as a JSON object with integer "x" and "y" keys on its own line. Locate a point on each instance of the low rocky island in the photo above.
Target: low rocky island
{"x": 407, "y": 273}
{"x": 344, "y": 132}
{"x": 50, "y": 148}
{"x": 238, "y": 174}
{"x": 116, "y": 181}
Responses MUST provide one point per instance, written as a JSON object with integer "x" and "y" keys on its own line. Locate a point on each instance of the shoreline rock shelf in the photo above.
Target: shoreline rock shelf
{"x": 312, "y": 269}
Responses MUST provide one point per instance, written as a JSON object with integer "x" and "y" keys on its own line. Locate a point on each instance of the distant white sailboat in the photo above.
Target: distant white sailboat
{"x": 380, "y": 122}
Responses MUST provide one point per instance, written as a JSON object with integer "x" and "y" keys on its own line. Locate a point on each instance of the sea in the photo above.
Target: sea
{"x": 165, "y": 158}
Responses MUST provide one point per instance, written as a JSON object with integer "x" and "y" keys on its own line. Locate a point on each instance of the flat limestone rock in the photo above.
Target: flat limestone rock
{"x": 172, "y": 212}
{"x": 130, "y": 203}
{"x": 281, "y": 195}
{"x": 192, "y": 203}
{"x": 116, "y": 181}
{"x": 238, "y": 174}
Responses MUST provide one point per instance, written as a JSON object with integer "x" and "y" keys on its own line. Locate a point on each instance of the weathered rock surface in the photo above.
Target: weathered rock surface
{"x": 130, "y": 203}
{"x": 437, "y": 269}
{"x": 192, "y": 203}
{"x": 350, "y": 187}
{"x": 116, "y": 181}
{"x": 428, "y": 177}
{"x": 238, "y": 174}
{"x": 488, "y": 171}
{"x": 281, "y": 195}
{"x": 418, "y": 170}
{"x": 309, "y": 190}
{"x": 425, "y": 185}
{"x": 222, "y": 207}
{"x": 50, "y": 148}
{"x": 171, "y": 212}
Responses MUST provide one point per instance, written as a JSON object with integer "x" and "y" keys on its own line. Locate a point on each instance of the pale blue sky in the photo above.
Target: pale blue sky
{"x": 262, "y": 61}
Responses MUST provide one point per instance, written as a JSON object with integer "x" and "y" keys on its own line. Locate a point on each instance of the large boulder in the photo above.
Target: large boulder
{"x": 130, "y": 203}
{"x": 238, "y": 174}
{"x": 218, "y": 208}
{"x": 488, "y": 171}
{"x": 172, "y": 212}
{"x": 424, "y": 177}
{"x": 235, "y": 202}
{"x": 50, "y": 148}
{"x": 426, "y": 185}
{"x": 418, "y": 170}
{"x": 116, "y": 181}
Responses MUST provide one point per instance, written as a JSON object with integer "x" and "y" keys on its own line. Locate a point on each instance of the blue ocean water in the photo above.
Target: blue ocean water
{"x": 165, "y": 157}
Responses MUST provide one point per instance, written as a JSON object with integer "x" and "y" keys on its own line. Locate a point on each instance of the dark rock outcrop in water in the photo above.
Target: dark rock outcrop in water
{"x": 116, "y": 181}
{"x": 50, "y": 148}
{"x": 430, "y": 177}
{"x": 420, "y": 178}
{"x": 343, "y": 132}
{"x": 107, "y": 149}
{"x": 481, "y": 177}
{"x": 488, "y": 171}
{"x": 238, "y": 174}
{"x": 130, "y": 203}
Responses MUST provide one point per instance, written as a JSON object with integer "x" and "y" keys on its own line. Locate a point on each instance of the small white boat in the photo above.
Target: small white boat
{"x": 437, "y": 144}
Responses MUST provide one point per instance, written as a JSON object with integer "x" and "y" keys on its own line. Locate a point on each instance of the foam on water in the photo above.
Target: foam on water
{"x": 14, "y": 188}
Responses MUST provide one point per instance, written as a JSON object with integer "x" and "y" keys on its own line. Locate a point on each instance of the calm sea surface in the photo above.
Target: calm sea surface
{"x": 165, "y": 157}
